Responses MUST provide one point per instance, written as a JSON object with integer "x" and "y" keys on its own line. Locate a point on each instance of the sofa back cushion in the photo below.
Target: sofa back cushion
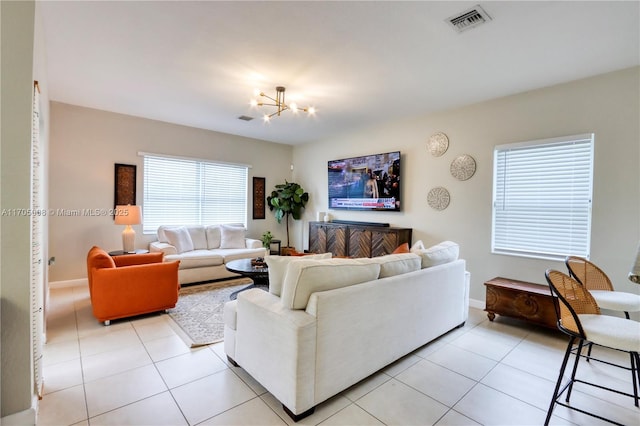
{"x": 305, "y": 277}
{"x": 198, "y": 236}
{"x": 214, "y": 234}
{"x": 232, "y": 237}
{"x": 278, "y": 267}
{"x": 179, "y": 238}
{"x": 445, "y": 252}
{"x": 396, "y": 264}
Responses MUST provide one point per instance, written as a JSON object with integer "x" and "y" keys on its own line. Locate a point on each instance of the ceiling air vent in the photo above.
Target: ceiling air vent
{"x": 245, "y": 118}
{"x": 469, "y": 19}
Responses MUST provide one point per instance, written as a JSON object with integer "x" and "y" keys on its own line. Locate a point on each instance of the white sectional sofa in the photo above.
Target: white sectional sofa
{"x": 325, "y": 325}
{"x": 204, "y": 250}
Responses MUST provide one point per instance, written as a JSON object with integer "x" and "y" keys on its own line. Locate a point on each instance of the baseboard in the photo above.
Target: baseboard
{"x": 69, "y": 283}
{"x": 478, "y": 304}
{"x": 22, "y": 418}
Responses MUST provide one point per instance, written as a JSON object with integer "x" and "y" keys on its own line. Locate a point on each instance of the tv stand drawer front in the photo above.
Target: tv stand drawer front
{"x": 356, "y": 240}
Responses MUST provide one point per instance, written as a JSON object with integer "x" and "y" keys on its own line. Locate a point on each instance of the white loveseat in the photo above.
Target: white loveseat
{"x": 327, "y": 324}
{"x": 204, "y": 250}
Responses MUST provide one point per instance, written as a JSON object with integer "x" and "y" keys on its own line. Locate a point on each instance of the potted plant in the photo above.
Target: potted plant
{"x": 266, "y": 239}
{"x": 288, "y": 199}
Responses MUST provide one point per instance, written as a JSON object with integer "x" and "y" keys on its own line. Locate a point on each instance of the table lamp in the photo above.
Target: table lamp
{"x": 128, "y": 215}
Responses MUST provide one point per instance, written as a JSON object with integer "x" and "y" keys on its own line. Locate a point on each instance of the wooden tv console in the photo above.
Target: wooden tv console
{"x": 520, "y": 299}
{"x": 356, "y": 240}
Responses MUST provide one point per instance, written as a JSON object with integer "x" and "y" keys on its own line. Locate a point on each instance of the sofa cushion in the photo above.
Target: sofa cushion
{"x": 196, "y": 259}
{"x": 396, "y": 264}
{"x": 232, "y": 237}
{"x": 179, "y": 238}
{"x": 278, "y": 268}
{"x": 305, "y": 277}
{"x": 233, "y": 254}
{"x": 213, "y": 233}
{"x": 198, "y": 236}
{"x": 445, "y": 252}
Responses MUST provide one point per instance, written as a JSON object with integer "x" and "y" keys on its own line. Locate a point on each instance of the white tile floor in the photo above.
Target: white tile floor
{"x": 139, "y": 372}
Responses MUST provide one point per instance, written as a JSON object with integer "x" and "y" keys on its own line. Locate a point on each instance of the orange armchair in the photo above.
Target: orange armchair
{"x": 134, "y": 284}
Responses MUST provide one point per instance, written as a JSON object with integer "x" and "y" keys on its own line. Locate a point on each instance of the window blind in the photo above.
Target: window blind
{"x": 192, "y": 192}
{"x": 542, "y": 197}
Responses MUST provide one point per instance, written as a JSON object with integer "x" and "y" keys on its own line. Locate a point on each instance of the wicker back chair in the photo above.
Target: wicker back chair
{"x": 599, "y": 284}
{"x": 573, "y": 300}
{"x": 579, "y": 317}
{"x": 588, "y": 274}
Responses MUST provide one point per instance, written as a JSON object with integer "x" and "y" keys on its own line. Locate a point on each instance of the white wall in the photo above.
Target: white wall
{"x": 85, "y": 145}
{"x": 606, "y": 105}
{"x": 22, "y": 62}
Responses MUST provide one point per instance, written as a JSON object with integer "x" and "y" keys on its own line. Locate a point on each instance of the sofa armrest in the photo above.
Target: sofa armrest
{"x": 165, "y": 248}
{"x": 253, "y": 243}
{"x": 138, "y": 259}
{"x": 277, "y": 346}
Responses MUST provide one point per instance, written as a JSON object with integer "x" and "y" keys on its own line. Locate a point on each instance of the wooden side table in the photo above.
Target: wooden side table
{"x": 520, "y": 299}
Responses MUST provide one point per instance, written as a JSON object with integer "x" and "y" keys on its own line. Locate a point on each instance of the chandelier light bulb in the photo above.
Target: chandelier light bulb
{"x": 294, "y": 107}
{"x": 253, "y": 103}
{"x": 311, "y": 110}
{"x": 266, "y": 118}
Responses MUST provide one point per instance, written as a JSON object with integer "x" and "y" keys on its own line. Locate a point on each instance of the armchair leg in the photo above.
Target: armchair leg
{"x": 107, "y": 322}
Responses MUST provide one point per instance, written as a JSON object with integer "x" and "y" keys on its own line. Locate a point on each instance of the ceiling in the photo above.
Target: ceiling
{"x": 359, "y": 63}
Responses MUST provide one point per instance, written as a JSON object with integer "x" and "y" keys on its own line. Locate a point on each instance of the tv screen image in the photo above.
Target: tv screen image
{"x": 368, "y": 182}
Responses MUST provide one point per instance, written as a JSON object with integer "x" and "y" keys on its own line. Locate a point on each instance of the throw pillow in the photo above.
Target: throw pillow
{"x": 445, "y": 252}
{"x": 179, "y": 238}
{"x": 232, "y": 237}
{"x": 278, "y": 268}
{"x": 402, "y": 248}
{"x": 305, "y": 277}
{"x": 418, "y": 245}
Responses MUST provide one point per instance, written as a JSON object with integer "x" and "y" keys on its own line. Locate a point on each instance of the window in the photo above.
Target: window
{"x": 542, "y": 197}
{"x": 192, "y": 192}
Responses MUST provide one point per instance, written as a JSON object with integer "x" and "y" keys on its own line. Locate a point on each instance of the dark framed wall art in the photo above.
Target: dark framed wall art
{"x": 258, "y": 198}
{"x": 124, "y": 185}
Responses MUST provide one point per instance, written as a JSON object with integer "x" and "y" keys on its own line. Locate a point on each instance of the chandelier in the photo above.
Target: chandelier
{"x": 280, "y": 104}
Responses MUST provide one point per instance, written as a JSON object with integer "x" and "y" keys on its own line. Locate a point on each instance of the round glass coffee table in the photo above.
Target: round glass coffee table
{"x": 259, "y": 274}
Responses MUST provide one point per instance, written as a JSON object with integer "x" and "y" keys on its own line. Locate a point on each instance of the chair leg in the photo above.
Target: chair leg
{"x": 575, "y": 368}
{"x": 634, "y": 375}
{"x": 559, "y": 382}
{"x": 637, "y": 367}
{"x": 589, "y": 351}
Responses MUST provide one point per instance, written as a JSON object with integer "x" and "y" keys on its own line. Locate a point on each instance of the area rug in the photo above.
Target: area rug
{"x": 198, "y": 314}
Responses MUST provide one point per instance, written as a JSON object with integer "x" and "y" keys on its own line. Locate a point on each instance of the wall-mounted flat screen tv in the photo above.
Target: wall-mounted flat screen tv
{"x": 369, "y": 182}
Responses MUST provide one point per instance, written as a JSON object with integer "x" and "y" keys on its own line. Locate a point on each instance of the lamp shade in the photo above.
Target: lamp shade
{"x": 128, "y": 215}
